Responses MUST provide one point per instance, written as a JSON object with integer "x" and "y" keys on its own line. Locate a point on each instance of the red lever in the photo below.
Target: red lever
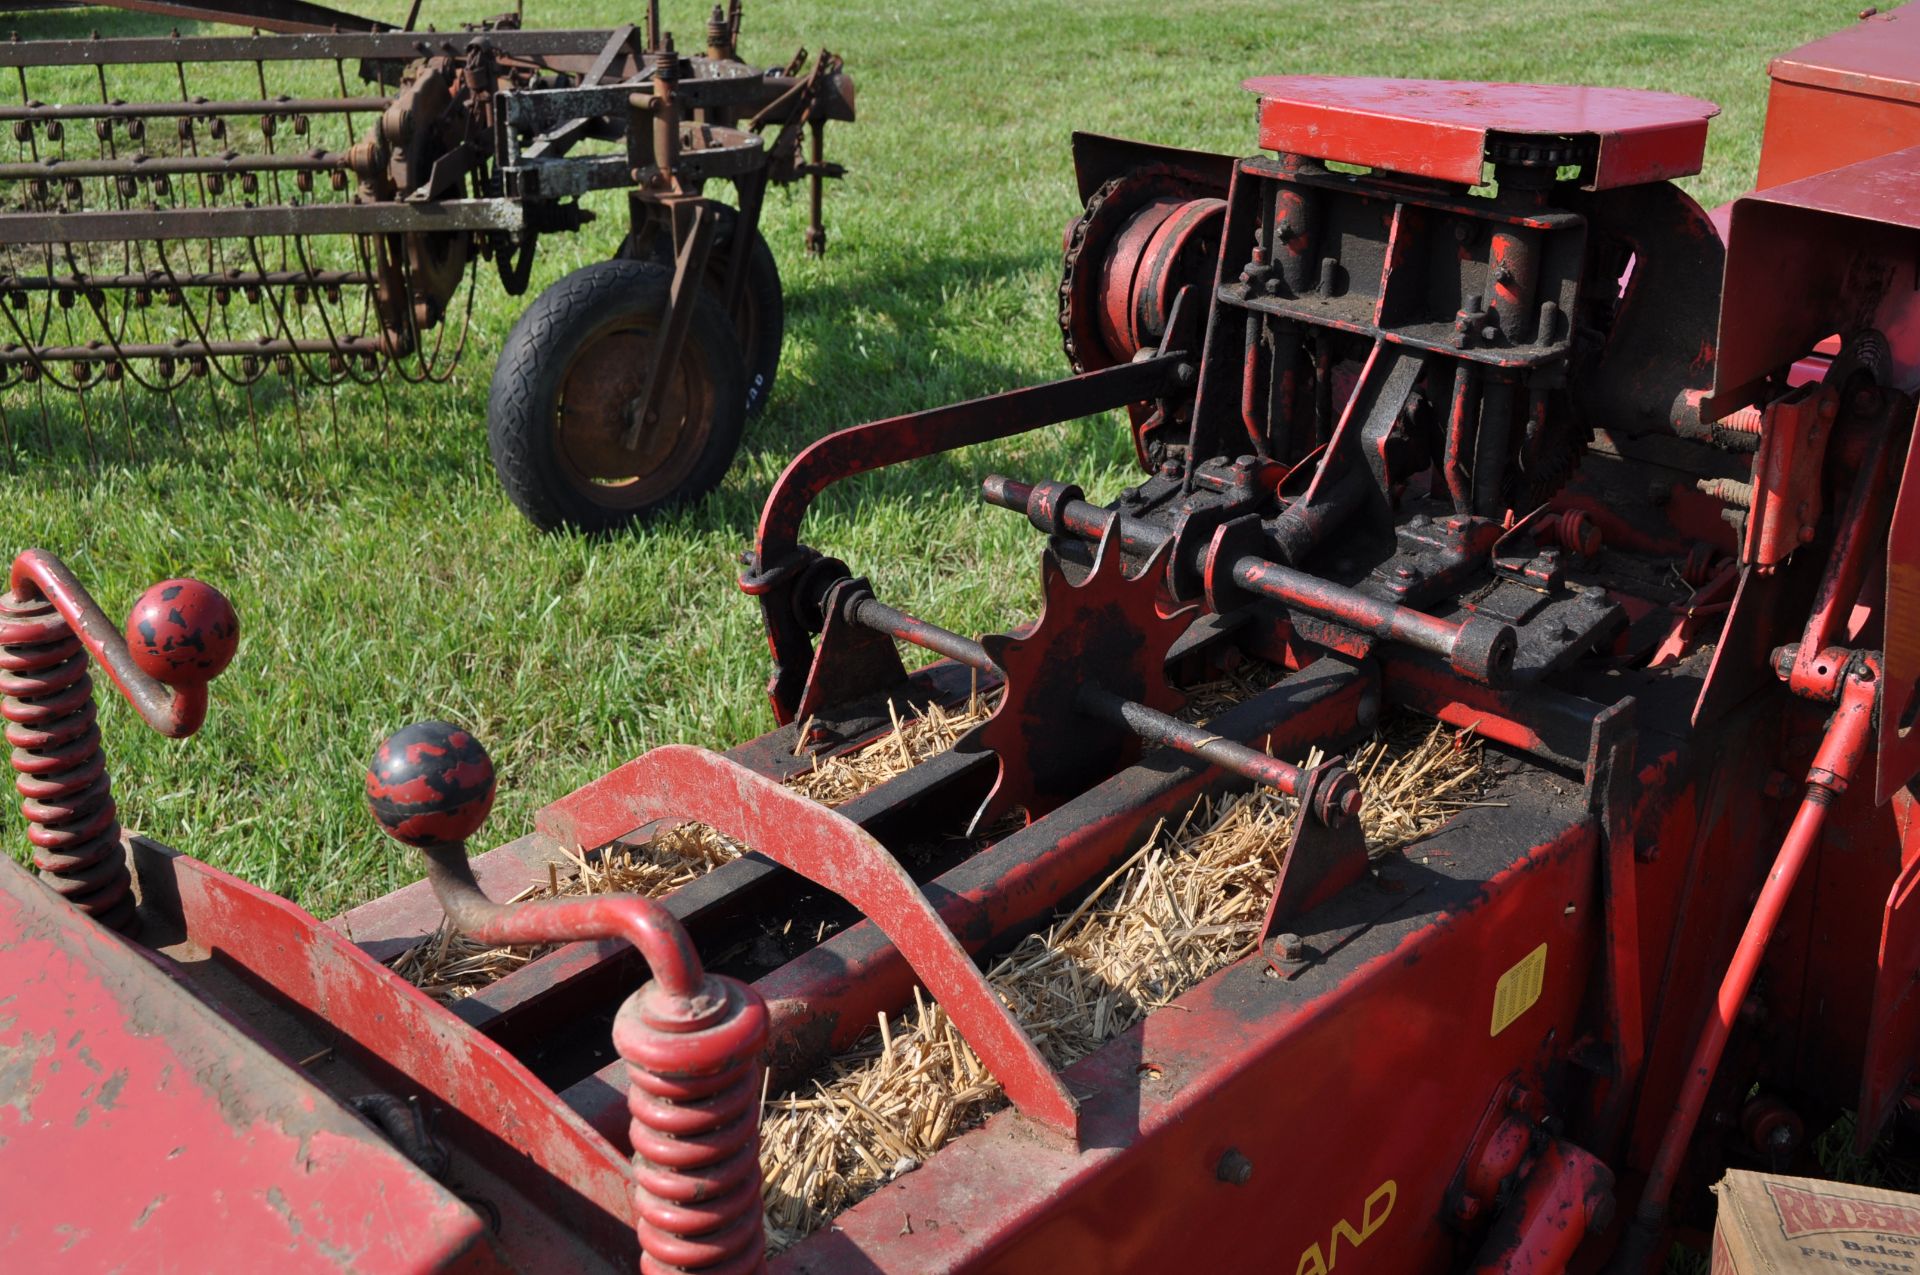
{"x": 181, "y": 634}
{"x": 691, "y": 1040}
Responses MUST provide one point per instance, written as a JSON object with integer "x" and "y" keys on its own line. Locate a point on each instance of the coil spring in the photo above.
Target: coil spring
{"x": 694, "y": 1096}
{"x": 46, "y": 697}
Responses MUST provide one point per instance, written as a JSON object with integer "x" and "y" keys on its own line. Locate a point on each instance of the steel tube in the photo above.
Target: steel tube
{"x": 1346, "y": 606}
{"x": 1842, "y": 749}
{"x": 231, "y": 222}
{"x": 20, "y": 355}
{"x": 643, "y": 922}
{"x": 1170, "y": 732}
{"x": 175, "y": 711}
{"x": 176, "y": 165}
{"x": 1483, "y": 649}
{"x": 162, "y": 280}
{"x": 877, "y": 615}
{"x": 1074, "y": 517}
{"x": 394, "y": 46}
{"x": 191, "y": 109}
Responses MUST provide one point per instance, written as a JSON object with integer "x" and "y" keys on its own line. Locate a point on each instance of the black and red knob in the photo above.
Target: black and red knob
{"x": 182, "y": 632}
{"x": 431, "y": 784}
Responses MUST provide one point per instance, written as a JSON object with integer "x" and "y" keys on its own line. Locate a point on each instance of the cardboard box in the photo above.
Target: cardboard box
{"x": 1770, "y": 1223}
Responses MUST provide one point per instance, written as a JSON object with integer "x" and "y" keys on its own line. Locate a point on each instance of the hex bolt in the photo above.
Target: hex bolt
{"x": 1290, "y": 947}
{"x": 1234, "y": 1168}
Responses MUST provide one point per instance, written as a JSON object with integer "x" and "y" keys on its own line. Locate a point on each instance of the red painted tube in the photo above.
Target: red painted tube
{"x": 1568, "y": 1195}
{"x": 1845, "y": 746}
{"x": 1480, "y": 648}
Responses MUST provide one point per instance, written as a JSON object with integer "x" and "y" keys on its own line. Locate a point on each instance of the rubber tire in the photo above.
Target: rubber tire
{"x": 761, "y": 290}
{"x": 527, "y": 381}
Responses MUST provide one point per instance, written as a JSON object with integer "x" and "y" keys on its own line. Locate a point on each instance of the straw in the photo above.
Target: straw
{"x": 1187, "y": 904}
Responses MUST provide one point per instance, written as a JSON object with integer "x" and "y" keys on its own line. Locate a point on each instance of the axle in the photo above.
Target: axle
{"x": 1481, "y": 648}
{"x": 1340, "y": 801}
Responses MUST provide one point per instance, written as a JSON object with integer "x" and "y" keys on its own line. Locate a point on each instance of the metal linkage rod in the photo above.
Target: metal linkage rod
{"x": 1480, "y": 648}
{"x": 1149, "y": 724}
{"x": 878, "y": 616}
{"x": 1158, "y": 728}
{"x": 315, "y": 161}
{"x": 20, "y": 355}
{"x": 191, "y": 109}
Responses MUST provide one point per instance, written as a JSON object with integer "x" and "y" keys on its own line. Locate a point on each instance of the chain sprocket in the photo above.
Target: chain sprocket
{"x": 1110, "y": 629}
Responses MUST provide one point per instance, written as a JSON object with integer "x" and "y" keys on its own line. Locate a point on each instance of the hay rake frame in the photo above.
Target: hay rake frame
{"x": 325, "y": 238}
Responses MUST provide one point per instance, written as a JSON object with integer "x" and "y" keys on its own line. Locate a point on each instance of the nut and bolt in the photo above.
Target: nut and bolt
{"x": 1290, "y": 948}
{"x": 1234, "y": 1168}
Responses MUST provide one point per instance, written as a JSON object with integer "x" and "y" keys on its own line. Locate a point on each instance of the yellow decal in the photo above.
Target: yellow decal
{"x": 1518, "y": 989}
{"x": 1373, "y": 1214}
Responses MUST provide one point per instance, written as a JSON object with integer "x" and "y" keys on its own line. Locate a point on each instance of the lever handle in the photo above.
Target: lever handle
{"x": 180, "y": 635}
{"x": 691, "y": 1040}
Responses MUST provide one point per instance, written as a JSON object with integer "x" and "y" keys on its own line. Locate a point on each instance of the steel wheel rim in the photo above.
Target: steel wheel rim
{"x": 592, "y": 411}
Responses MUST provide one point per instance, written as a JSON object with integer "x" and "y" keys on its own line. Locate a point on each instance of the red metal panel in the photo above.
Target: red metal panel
{"x": 1811, "y": 130}
{"x": 1878, "y": 56}
{"x": 577, "y": 1174}
{"x": 140, "y": 1130}
{"x": 1439, "y": 128}
{"x": 1819, "y": 256}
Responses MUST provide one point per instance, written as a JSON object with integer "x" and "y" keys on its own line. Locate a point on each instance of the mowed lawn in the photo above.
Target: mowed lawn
{"x": 382, "y": 577}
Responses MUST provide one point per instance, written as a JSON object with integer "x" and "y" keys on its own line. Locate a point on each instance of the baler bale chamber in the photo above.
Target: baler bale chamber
{"x": 306, "y": 209}
{"x": 1468, "y": 775}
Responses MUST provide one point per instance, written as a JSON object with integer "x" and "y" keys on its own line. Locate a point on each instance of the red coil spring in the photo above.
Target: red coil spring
{"x": 694, "y": 1095}
{"x": 46, "y": 697}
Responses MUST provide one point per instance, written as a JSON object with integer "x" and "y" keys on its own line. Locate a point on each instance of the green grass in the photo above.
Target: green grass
{"x": 381, "y": 576}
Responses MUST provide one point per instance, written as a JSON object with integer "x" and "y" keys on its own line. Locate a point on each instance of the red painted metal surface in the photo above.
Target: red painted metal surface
{"x": 141, "y": 1130}
{"x": 1239, "y": 1064}
{"x": 1845, "y": 97}
{"x": 1441, "y": 128}
{"x": 1898, "y": 756}
{"x": 1816, "y": 257}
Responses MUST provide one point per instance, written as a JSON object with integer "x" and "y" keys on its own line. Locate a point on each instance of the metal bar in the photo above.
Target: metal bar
{"x": 21, "y": 355}
{"x": 863, "y": 448}
{"x": 173, "y": 165}
{"x": 882, "y": 618}
{"x": 262, "y": 15}
{"x": 652, "y": 930}
{"x": 392, "y": 46}
{"x": 241, "y": 223}
{"x": 1158, "y": 728}
{"x": 686, "y": 783}
{"x": 1479, "y": 647}
{"x": 163, "y": 279}
{"x": 191, "y": 109}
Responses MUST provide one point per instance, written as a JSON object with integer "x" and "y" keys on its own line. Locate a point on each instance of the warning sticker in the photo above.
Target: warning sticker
{"x": 1518, "y": 989}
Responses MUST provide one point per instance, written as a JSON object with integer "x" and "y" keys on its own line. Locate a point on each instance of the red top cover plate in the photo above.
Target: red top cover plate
{"x": 1439, "y": 128}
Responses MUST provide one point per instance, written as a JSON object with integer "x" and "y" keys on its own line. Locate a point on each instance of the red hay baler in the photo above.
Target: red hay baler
{"x": 1449, "y": 406}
